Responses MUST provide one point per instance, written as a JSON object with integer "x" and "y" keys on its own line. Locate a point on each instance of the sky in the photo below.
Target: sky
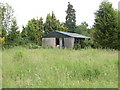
{"x": 25, "y": 10}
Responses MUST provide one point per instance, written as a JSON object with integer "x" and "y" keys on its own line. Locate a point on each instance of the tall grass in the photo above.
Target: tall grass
{"x": 60, "y": 68}
{"x": 0, "y": 67}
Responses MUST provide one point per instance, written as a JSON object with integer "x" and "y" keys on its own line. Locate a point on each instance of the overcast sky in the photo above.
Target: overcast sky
{"x": 28, "y": 9}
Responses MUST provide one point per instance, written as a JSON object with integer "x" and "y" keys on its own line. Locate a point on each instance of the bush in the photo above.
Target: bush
{"x": 77, "y": 46}
{"x": 88, "y": 43}
{"x": 85, "y": 44}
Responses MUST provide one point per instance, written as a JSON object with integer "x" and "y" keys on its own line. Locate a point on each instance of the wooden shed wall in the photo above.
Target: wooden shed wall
{"x": 49, "y": 42}
{"x": 69, "y": 42}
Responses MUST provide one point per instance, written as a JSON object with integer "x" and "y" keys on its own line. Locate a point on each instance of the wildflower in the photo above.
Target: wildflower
{"x": 2, "y": 40}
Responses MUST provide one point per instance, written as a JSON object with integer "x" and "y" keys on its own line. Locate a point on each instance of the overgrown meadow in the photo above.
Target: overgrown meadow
{"x": 0, "y": 69}
{"x": 59, "y": 68}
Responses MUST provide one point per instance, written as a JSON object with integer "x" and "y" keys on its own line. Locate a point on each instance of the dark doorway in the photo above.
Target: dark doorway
{"x": 57, "y": 41}
{"x": 63, "y": 42}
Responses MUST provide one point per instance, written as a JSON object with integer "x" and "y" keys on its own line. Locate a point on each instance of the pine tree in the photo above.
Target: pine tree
{"x": 70, "y": 18}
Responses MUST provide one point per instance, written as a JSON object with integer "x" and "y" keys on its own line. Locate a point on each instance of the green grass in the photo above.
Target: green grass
{"x": 60, "y": 68}
{"x": 0, "y": 69}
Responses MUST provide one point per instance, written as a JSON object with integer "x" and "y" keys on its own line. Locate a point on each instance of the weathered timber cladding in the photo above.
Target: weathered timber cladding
{"x": 49, "y": 42}
{"x": 60, "y": 42}
{"x": 69, "y": 42}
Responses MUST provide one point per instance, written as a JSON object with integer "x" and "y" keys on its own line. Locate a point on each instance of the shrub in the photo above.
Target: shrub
{"x": 2, "y": 40}
{"x": 77, "y": 46}
{"x": 88, "y": 43}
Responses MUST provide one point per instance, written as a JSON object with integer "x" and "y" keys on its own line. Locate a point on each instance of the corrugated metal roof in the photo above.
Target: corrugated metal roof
{"x": 75, "y": 35}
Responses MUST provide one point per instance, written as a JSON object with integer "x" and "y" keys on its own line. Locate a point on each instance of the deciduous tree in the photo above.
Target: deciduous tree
{"x": 6, "y": 16}
{"x": 34, "y": 30}
{"x": 83, "y": 29}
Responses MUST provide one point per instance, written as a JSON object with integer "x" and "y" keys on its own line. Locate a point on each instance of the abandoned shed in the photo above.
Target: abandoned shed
{"x": 62, "y": 39}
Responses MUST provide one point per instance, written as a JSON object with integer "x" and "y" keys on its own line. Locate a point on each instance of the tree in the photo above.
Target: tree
{"x": 119, "y": 29}
{"x": 40, "y": 31}
{"x": 6, "y": 16}
{"x": 24, "y": 32}
{"x": 13, "y": 37}
{"x": 70, "y": 18}
{"x": 34, "y": 30}
{"x": 63, "y": 28}
{"x": 8, "y": 25}
{"x": 47, "y": 25}
{"x": 83, "y": 29}
{"x": 106, "y": 29}
{"x": 31, "y": 30}
{"x": 52, "y": 24}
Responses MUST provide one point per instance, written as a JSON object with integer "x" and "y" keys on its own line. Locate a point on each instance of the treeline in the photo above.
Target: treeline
{"x": 104, "y": 33}
{"x": 36, "y": 28}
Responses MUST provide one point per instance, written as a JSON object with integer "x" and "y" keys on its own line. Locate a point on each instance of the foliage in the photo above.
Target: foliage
{"x": 59, "y": 68}
{"x": 104, "y": 33}
{"x": 62, "y": 28}
{"x": 83, "y": 29}
{"x": 33, "y": 31}
{"x": 32, "y": 46}
{"x": 52, "y": 24}
{"x": 2, "y": 41}
{"x": 70, "y": 22}
{"x": 24, "y": 33}
{"x": 106, "y": 29}
{"x": 36, "y": 29}
{"x": 8, "y": 25}
{"x": 88, "y": 43}
{"x": 118, "y": 28}
{"x": 77, "y": 46}
{"x": 6, "y": 16}
{"x": 13, "y": 37}
{"x": 13, "y": 34}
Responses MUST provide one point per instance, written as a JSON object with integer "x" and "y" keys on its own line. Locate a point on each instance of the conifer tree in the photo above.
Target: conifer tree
{"x": 106, "y": 29}
{"x": 70, "y": 18}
